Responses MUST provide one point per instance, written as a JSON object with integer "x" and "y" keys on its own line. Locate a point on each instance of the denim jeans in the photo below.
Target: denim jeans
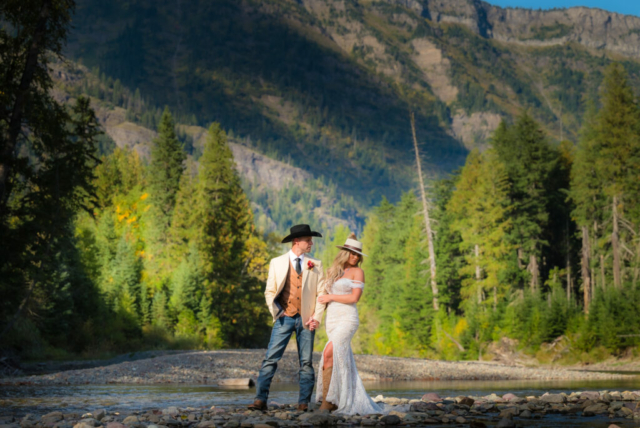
{"x": 283, "y": 328}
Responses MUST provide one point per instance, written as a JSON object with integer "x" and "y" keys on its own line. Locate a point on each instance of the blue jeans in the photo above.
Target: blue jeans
{"x": 280, "y": 335}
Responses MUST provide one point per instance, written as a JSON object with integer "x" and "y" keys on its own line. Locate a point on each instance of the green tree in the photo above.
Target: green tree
{"x": 481, "y": 205}
{"x": 224, "y": 228}
{"x": 529, "y": 161}
{"x": 165, "y": 169}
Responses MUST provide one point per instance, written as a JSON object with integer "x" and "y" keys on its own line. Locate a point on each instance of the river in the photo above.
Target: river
{"x": 20, "y": 400}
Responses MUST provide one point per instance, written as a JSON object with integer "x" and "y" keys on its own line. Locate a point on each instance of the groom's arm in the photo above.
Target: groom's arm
{"x": 271, "y": 286}
{"x": 321, "y": 290}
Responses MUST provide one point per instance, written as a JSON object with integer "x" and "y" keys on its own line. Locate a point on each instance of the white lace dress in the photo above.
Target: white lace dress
{"x": 346, "y": 390}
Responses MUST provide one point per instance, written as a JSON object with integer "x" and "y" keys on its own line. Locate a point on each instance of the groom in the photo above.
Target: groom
{"x": 293, "y": 286}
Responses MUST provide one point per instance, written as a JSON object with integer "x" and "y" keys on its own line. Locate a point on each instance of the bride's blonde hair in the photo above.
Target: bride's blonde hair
{"x": 336, "y": 271}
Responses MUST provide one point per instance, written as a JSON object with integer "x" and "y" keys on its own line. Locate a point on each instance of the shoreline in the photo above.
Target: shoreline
{"x": 580, "y": 409}
{"x": 209, "y": 367}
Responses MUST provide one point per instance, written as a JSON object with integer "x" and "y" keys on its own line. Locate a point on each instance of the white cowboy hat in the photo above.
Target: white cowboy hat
{"x": 352, "y": 245}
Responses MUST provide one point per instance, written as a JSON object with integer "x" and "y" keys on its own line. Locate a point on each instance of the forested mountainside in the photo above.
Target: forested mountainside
{"x": 327, "y": 85}
{"x": 281, "y": 194}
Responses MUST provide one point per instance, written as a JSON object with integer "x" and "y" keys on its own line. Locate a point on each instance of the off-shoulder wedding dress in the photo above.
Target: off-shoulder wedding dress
{"x": 345, "y": 390}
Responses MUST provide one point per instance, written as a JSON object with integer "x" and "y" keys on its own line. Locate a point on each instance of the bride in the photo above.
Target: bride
{"x": 338, "y": 379}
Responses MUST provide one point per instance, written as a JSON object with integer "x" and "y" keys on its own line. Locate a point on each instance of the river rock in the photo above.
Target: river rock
{"x": 629, "y": 396}
{"x": 590, "y": 395}
{"x": 494, "y": 398}
{"x": 173, "y": 410}
{"x": 52, "y": 417}
{"x": 422, "y": 406}
{"x": 553, "y": 398}
{"x": 607, "y": 397}
{"x": 391, "y": 419}
{"x": 461, "y": 420}
{"x": 625, "y": 411}
{"x": 233, "y": 423}
{"x": 596, "y": 409}
{"x": 616, "y": 405}
{"x": 525, "y": 414}
{"x": 431, "y": 397}
{"x": 509, "y": 412}
{"x": 613, "y": 426}
{"x": 511, "y": 397}
{"x": 467, "y": 401}
{"x": 130, "y": 420}
{"x": 316, "y": 418}
{"x": 115, "y": 425}
{"x": 506, "y": 423}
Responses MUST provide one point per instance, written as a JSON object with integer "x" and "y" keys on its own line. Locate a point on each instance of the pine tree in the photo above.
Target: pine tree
{"x": 186, "y": 284}
{"x": 447, "y": 245}
{"x": 183, "y": 228}
{"x": 481, "y": 205}
{"x": 125, "y": 272}
{"x": 165, "y": 170}
{"x": 617, "y": 129}
{"x": 529, "y": 162}
{"x": 224, "y": 225}
{"x": 586, "y": 194}
{"x": 159, "y": 310}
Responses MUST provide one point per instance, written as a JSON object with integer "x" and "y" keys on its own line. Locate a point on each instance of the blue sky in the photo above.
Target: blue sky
{"x": 628, "y": 7}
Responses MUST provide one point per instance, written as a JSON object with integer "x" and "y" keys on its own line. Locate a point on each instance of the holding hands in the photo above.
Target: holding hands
{"x": 312, "y": 323}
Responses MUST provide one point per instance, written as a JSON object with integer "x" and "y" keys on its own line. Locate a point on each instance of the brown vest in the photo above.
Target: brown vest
{"x": 291, "y": 293}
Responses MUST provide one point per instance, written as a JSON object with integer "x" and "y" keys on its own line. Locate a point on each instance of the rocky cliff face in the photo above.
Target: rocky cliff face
{"x": 592, "y": 28}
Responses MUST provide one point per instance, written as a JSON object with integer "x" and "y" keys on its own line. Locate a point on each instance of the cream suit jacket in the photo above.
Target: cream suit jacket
{"x": 312, "y": 287}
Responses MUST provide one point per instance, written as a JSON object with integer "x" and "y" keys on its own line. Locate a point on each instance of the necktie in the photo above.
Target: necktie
{"x": 298, "y": 266}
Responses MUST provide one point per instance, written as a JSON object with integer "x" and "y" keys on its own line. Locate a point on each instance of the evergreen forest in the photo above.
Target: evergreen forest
{"x": 536, "y": 240}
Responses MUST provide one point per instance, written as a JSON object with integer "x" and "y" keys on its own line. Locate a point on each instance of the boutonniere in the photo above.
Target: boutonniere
{"x": 310, "y": 265}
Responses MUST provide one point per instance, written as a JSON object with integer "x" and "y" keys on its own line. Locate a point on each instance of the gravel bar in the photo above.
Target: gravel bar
{"x": 208, "y": 367}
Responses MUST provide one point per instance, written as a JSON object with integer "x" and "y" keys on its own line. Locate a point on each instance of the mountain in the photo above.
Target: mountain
{"x": 267, "y": 181}
{"x": 327, "y": 85}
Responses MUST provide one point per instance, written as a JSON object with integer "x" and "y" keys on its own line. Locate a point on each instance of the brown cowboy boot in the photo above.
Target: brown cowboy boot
{"x": 326, "y": 382}
{"x": 258, "y": 405}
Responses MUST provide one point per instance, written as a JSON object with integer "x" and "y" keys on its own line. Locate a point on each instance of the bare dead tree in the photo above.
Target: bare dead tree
{"x": 427, "y": 219}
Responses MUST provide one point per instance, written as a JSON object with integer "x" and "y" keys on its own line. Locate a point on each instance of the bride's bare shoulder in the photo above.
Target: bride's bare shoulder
{"x": 356, "y": 274}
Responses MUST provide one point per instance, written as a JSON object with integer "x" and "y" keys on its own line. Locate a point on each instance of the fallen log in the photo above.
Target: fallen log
{"x": 247, "y": 382}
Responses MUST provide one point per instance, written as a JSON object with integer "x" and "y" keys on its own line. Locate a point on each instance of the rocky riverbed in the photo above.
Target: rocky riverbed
{"x": 209, "y": 367}
{"x": 620, "y": 408}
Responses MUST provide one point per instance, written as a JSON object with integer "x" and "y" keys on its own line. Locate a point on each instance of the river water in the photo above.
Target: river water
{"x": 20, "y": 400}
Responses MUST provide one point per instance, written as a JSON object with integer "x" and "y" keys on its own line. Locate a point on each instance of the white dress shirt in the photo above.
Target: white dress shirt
{"x": 293, "y": 258}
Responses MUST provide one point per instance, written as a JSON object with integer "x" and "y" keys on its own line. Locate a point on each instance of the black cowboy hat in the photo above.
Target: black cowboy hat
{"x": 299, "y": 231}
